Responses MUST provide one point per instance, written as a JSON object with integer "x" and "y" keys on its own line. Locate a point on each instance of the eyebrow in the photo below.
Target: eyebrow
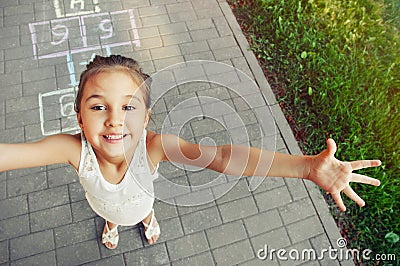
{"x": 98, "y": 96}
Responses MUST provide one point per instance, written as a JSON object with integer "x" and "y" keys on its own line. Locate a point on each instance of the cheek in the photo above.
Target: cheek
{"x": 135, "y": 120}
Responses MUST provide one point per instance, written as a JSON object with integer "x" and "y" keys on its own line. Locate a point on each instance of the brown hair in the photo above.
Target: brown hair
{"x": 114, "y": 62}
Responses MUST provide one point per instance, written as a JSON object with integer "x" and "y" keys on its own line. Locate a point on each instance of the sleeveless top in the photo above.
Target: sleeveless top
{"x": 126, "y": 203}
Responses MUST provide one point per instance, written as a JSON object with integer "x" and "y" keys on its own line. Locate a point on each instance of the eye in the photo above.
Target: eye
{"x": 98, "y": 108}
{"x": 128, "y": 108}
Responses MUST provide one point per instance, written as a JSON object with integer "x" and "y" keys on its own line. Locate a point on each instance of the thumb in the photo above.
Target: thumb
{"x": 331, "y": 147}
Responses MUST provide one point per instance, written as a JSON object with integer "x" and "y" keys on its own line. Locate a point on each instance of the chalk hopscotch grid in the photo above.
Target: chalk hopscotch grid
{"x": 83, "y": 33}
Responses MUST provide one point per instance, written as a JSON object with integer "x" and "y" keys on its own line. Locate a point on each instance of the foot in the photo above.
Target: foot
{"x": 151, "y": 228}
{"x": 110, "y": 235}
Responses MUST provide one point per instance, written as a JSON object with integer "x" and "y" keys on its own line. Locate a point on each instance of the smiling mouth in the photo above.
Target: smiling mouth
{"x": 114, "y": 136}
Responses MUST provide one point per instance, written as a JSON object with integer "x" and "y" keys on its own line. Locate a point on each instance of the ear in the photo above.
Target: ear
{"x": 147, "y": 118}
{"x": 79, "y": 118}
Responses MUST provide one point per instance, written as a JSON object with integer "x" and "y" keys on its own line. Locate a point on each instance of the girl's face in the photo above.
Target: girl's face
{"x": 113, "y": 114}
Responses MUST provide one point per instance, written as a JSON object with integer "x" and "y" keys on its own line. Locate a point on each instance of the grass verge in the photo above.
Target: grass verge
{"x": 335, "y": 68}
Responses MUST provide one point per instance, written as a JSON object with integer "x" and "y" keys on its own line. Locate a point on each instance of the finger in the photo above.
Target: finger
{"x": 364, "y": 179}
{"x": 339, "y": 202}
{"x": 353, "y": 195}
{"x": 356, "y": 165}
{"x": 331, "y": 146}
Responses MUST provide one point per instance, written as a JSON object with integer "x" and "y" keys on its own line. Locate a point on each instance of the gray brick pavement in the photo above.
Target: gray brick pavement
{"x": 45, "y": 218}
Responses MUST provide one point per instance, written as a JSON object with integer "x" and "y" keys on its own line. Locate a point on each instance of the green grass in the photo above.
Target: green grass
{"x": 335, "y": 68}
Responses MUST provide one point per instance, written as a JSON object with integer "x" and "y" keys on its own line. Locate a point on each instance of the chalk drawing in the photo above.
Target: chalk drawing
{"x": 63, "y": 114}
{"x": 62, "y": 30}
{"x": 70, "y": 33}
{"x": 76, "y": 7}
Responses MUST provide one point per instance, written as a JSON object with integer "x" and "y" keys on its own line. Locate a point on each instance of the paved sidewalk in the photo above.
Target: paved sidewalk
{"x": 44, "y": 217}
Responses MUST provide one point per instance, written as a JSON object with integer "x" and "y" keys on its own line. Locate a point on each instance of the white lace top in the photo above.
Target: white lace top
{"x": 126, "y": 203}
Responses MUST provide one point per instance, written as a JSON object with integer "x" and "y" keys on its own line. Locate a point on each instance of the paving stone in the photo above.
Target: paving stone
{"x": 200, "y": 56}
{"x": 13, "y": 135}
{"x": 273, "y": 198}
{"x": 296, "y": 188}
{"x": 164, "y": 210}
{"x": 62, "y": 176}
{"x": 81, "y": 211}
{"x": 182, "y": 16}
{"x": 152, "y": 10}
{"x": 227, "y": 53}
{"x": 259, "y": 262}
{"x": 167, "y": 51}
{"x": 48, "y": 198}
{"x": 22, "y": 19}
{"x": 166, "y": 62}
{"x": 231, "y": 191}
{"x": 50, "y": 218}
{"x": 19, "y": 119}
{"x": 172, "y": 28}
{"x": 14, "y": 227}
{"x": 4, "y": 256}
{"x": 78, "y": 253}
{"x": 187, "y": 245}
{"x": 262, "y": 222}
{"x": 148, "y": 43}
{"x": 200, "y": 220}
{"x": 203, "y": 34}
{"x": 22, "y": 104}
{"x": 76, "y": 192}
{"x": 197, "y": 260}
{"x": 155, "y": 20}
{"x": 31, "y": 244}
{"x": 200, "y": 24}
{"x": 114, "y": 260}
{"x": 3, "y": 190}
{"x": 170, "y": 229}
{"x": 208, "y": 13}
{"x": 305, "y": 229}
{"x": 9, "y": 32}
{"x": 176, "y": 38}
{"x": 152, "y": 255}
{"x": 275, "y": 239}
{"x": 179, "y": 7}
{"x": 13, "y": 207}
{"x": 296, "y": 210}
{"x": 46, "y": 258}
{"x": 10, "y": 79}
{"x": 41, "y": 86}
{"x": 18, "y": 10}
{"x": 15, "y": 66}
{"x": 226, "y": 234}
{"x": 234, "y": 253}
{"x": 26, "y": 184}
{"x": 237, "y": 209}
{"x": 75, "y": 233}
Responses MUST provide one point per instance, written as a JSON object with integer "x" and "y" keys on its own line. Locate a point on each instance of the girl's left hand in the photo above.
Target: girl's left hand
{"x": 335, "y": 176}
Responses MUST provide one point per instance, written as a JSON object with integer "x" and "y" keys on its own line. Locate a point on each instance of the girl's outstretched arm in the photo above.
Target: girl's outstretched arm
{"x": 51, "y": 150}
{"x": 323, "y": 169}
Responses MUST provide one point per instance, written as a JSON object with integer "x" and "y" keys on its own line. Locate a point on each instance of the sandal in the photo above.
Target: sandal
{"x": 111, "y": 236}
{"x": 151, "y": 229}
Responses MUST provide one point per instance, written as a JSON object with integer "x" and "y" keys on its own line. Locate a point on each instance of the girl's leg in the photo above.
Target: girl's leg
{"x": 114, "y": 234}
{"x": 146, "y": 222}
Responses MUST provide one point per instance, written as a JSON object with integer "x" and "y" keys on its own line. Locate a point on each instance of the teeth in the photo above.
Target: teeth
{"x": 113, "y": 136}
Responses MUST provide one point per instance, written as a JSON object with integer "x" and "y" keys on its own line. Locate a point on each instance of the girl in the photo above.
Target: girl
{"x": 117, "y": 159}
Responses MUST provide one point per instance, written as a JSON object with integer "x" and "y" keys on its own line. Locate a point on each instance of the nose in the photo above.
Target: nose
{"x": 115, "y": 119}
